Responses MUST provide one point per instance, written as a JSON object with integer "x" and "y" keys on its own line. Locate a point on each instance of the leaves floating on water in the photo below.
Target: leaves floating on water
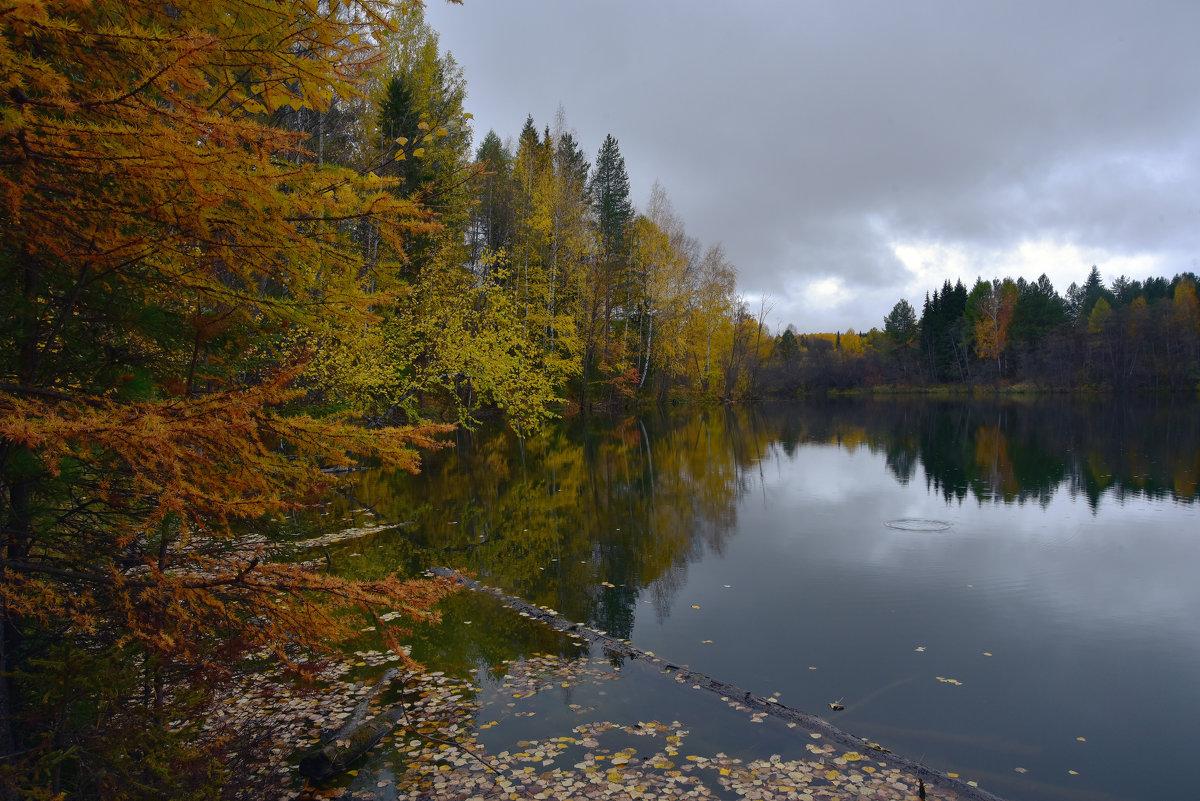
{"x": 945, "y": 680}
{"x": 837, "y": 705}
{"x": 695, "y": 606}
{"x": 591, "y": 760}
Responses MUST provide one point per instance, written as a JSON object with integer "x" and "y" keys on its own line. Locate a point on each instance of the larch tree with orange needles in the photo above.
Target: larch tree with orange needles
{"x": 173, "y": 259}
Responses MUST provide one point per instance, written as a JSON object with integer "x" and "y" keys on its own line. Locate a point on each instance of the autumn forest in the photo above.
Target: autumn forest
{"x": 247, "y": 246}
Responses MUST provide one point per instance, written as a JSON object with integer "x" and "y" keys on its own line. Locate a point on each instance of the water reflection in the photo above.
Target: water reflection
{"x": 581, "y": 519}
{"x": 595, "y": 515}
{"x": 750, "y": 543}
{"x": 1020, "y": 450}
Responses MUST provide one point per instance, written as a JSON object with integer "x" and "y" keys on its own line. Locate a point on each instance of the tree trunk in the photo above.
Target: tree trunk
{"x": 649, "y": 339}
{"x": 339, "y": 750}
{"x": 13, "y": 545}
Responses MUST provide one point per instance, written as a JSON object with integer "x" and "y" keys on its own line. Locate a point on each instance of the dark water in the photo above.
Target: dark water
{"x": 1048, "y": 572}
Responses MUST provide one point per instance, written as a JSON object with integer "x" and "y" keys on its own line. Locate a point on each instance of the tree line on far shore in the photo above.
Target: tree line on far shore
{"x": 1130, "y": 335}
{"x": 630, "y": 308}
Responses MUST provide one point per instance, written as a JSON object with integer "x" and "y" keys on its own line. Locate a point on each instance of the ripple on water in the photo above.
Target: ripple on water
{"x": 918, "y": 524}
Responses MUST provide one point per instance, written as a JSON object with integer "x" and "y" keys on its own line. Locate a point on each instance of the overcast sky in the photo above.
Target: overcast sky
{"x": 849, "y": 154}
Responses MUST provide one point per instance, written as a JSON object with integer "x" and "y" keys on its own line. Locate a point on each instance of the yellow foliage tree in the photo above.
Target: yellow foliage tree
{"x": 661, "y": 256}
{"x": 991, "y": 307}
{"x": 852, "y": 342}
{"x": 1185, "y": 307}
{"x": 710, "y": 320}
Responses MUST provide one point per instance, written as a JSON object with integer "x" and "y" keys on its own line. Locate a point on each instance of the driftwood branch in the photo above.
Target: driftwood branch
{"x": 357, "y": 736}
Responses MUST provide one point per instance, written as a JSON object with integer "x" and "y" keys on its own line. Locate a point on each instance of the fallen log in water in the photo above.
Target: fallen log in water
{"x": 927, "y": 777}
{"x": 337, "y": 751}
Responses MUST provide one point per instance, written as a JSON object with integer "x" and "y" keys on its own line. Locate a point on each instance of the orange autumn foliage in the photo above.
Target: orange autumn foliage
{"x": 167, "y": 242}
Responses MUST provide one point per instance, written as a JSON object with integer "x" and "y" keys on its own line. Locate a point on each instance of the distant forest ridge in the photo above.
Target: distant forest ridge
{"x": 1130, "y": 335}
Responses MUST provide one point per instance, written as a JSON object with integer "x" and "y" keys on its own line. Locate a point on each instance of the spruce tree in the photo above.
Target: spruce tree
{"x": 493, "y": 223}
{"x": 570, "y": 161}
{"x": 610, "y": 193}
{"x": 398, "y": 121}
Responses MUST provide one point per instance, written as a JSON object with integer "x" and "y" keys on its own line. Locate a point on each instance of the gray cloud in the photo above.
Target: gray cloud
{"x": 811, "y": 138}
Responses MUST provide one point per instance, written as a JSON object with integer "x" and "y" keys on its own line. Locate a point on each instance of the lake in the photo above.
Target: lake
{"x": 1007, "y": 590}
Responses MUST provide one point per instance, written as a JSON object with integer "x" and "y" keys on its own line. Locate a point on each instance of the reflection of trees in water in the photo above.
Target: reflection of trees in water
{"x": 902, "y": 461}
{"x": 558, "y": 518}
{"x": 1016, "y": 450}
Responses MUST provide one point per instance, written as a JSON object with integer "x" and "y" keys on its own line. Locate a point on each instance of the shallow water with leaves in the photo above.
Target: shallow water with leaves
{"x": 1005, "y": 591}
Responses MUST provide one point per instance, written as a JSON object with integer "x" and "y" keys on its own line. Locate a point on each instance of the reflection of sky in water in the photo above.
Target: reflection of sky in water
{"x": 1134, "y": 561}
{"x": 1089, "y": 618}
{"x": 1083, "y": 593}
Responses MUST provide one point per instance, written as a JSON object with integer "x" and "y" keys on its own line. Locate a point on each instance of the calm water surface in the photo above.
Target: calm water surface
{"x": 1039, "y": 609}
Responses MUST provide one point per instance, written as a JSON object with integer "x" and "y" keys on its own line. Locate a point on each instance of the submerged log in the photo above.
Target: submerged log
{"x": 927, "y": 777}
{"x": 328, "y": 760}
{"x": 337, "y": 751}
